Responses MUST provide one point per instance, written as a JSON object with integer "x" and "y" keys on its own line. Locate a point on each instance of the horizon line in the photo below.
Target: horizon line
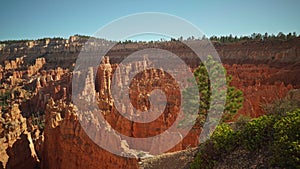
{"x": 151, "y": 38}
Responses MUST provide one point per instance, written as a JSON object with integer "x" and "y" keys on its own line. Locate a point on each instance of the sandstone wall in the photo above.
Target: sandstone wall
{"x": 17, "y": 149}
{"x": 68, "y": 146}
{"x": 64, "y": 52}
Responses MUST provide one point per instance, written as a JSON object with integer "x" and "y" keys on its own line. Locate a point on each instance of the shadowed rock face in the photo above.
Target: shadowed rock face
{"x": 68, "y": 146}
{"x": 25, "y": 91}
{"x": 263, "y": 70}
{"x": 22, "y": 153}
{"x": 17, "y": 149}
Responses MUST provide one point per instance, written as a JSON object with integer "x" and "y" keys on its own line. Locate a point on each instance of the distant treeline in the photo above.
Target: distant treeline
{"x": 8, "y": 42}
{"x": 222, "y": 39}
{"x": 227, "y": 39}
{"x": 254, "y": 36}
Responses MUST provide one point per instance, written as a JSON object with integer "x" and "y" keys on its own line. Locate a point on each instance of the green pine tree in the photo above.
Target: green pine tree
{"x": 234, "y": 97}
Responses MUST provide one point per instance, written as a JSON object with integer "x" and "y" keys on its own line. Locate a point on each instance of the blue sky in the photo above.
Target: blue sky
{"x": 32, "y": 19}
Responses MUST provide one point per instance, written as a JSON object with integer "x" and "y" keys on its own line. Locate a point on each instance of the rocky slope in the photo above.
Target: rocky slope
{"x": 25, "y": 90}
{"x": 175, "y": 160}
{"x": 17, "y": 149}
{"x": 67, "y": 145}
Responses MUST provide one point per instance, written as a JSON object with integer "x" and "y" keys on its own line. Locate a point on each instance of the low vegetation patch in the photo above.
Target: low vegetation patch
{"x": 278, "y": 134}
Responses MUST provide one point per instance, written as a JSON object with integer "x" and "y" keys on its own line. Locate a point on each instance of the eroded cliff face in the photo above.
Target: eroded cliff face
{"x": 259, "y": 84}
{"x": 17, "y": 149}
{"x": 17, "y": 139}
{"x": 68, "y": 146}
{"x": 65, "y": 51}
{"x": 25, "y": 90}
{"x": 57, "y": 51}
{"x": 139, "y": 91}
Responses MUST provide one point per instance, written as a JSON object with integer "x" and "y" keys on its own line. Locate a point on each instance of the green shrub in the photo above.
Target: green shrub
{"x": 257, "y": 132}
{"x": 224, "y": 138}
{"x": 242, "y": 121}
{"x": 5, "y": 98}
{"x": 287, "y": 140}
{"x": 277, "y": 134}
{"x": 38, "y": 120}
{"x": 206, "y": 157}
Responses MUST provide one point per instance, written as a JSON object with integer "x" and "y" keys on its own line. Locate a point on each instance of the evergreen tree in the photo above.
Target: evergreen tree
{"x": 234, "y": 97}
